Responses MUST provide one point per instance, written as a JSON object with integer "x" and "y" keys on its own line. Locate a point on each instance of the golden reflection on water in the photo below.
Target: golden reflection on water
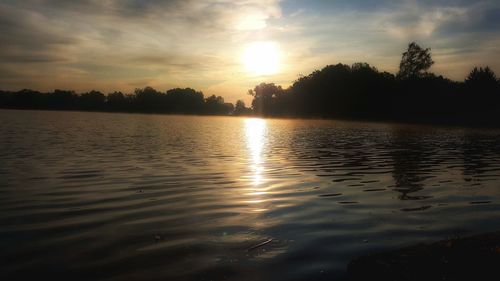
{"x": 255, "y": 131}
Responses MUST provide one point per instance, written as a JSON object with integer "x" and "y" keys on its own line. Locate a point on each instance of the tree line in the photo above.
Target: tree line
{"x": 361, "y": 91}
{"x": 358, "y": 91}
{"x": 145, "y": 100}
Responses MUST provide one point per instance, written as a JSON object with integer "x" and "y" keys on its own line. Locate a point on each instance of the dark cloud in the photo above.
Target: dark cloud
{"x": 338, "y": 6}
{"x": 24, "y": 28}
{"x": 26, "y": 39}
{"x": 477, "y": 19}
{"x": 30, "y": 58}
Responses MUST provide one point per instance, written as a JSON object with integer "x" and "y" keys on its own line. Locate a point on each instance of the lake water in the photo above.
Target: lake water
{"x": 100, "y": 196}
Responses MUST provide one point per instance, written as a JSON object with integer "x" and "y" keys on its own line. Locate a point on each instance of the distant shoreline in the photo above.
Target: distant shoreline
{"x": 357, "y": 92}
{"x": 395, "y": 122}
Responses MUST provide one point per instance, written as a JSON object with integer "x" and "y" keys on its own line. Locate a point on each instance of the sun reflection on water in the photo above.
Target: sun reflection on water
{"x": 255, "y": 130}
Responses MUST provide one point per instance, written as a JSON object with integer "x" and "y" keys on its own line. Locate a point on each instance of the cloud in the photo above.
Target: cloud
{"x": 180, "y": 42}
{"x": 378, "y": 31}
{"x": 117, "y": 44}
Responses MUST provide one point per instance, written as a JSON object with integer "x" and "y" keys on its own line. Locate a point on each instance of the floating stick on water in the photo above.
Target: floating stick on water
{"x": 260, "y": 245}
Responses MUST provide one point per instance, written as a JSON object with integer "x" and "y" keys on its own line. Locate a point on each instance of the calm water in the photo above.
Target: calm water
{"x": 97, "y": 196}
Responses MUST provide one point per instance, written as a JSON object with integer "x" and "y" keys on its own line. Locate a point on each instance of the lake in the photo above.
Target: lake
{"x": 102, "y": 196}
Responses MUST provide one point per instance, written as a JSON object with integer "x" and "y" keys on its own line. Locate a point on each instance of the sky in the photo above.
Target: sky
{"x": 121, "y": 45}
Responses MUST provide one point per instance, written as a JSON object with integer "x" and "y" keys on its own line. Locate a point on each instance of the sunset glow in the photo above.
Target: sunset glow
{"x": 268, "y": 140}
{"x": 225, "y": 47}
{"x": 262, "y": 58}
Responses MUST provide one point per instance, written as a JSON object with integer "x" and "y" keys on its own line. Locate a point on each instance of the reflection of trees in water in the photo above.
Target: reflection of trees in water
{"x": 342, "y": 153}
{"x": 472, "y": 150}
{"x": 409, "y": 161}
{"x": 413, "y": 156}
{"x": 353, "y": 155}
{"x": 479, "y": 152}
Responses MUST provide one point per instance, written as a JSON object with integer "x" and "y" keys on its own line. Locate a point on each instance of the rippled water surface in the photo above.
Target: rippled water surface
{"x": 97, "y": 196}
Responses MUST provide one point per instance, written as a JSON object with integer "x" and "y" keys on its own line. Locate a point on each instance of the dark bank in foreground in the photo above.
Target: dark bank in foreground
{"x": 357, "y": 92}
{"x": 471, "y": 258}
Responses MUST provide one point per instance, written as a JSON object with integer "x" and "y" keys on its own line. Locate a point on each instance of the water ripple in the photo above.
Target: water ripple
{"x": 95, "y": 196}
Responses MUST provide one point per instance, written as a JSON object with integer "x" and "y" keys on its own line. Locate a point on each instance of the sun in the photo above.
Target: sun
{"x": 262, "y": 58}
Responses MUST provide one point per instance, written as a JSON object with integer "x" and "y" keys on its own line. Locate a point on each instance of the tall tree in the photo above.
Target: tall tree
{"x": 481, "y": 75}
{"x": 265, "y": 96}
{"x": 241, "y": 109}
{"x": 482, "y": 80}
{"x": 415, "y": 62}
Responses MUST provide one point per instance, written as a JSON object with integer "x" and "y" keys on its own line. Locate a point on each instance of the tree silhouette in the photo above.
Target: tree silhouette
{"x": 341, "y": 91}
{"x": 92, "y": 100}
{"x": 265, "y": 96}
{"x": 117, "y": 101}
{"x": 241, "y": 109}
{"x": 146, "y": 100}
{"x": 149, "y": 100}
{"x": 216, "y": 105}
{"x": 185, "y": 101}
{"x": 415, "y": 62}
{"x": 62, "y": 99}
{"x": 482, "y": 80}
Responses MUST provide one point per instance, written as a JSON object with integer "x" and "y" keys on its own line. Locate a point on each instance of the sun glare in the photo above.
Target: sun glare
{"x": 262, "y": 58}
{"x": 255, "y": 132}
